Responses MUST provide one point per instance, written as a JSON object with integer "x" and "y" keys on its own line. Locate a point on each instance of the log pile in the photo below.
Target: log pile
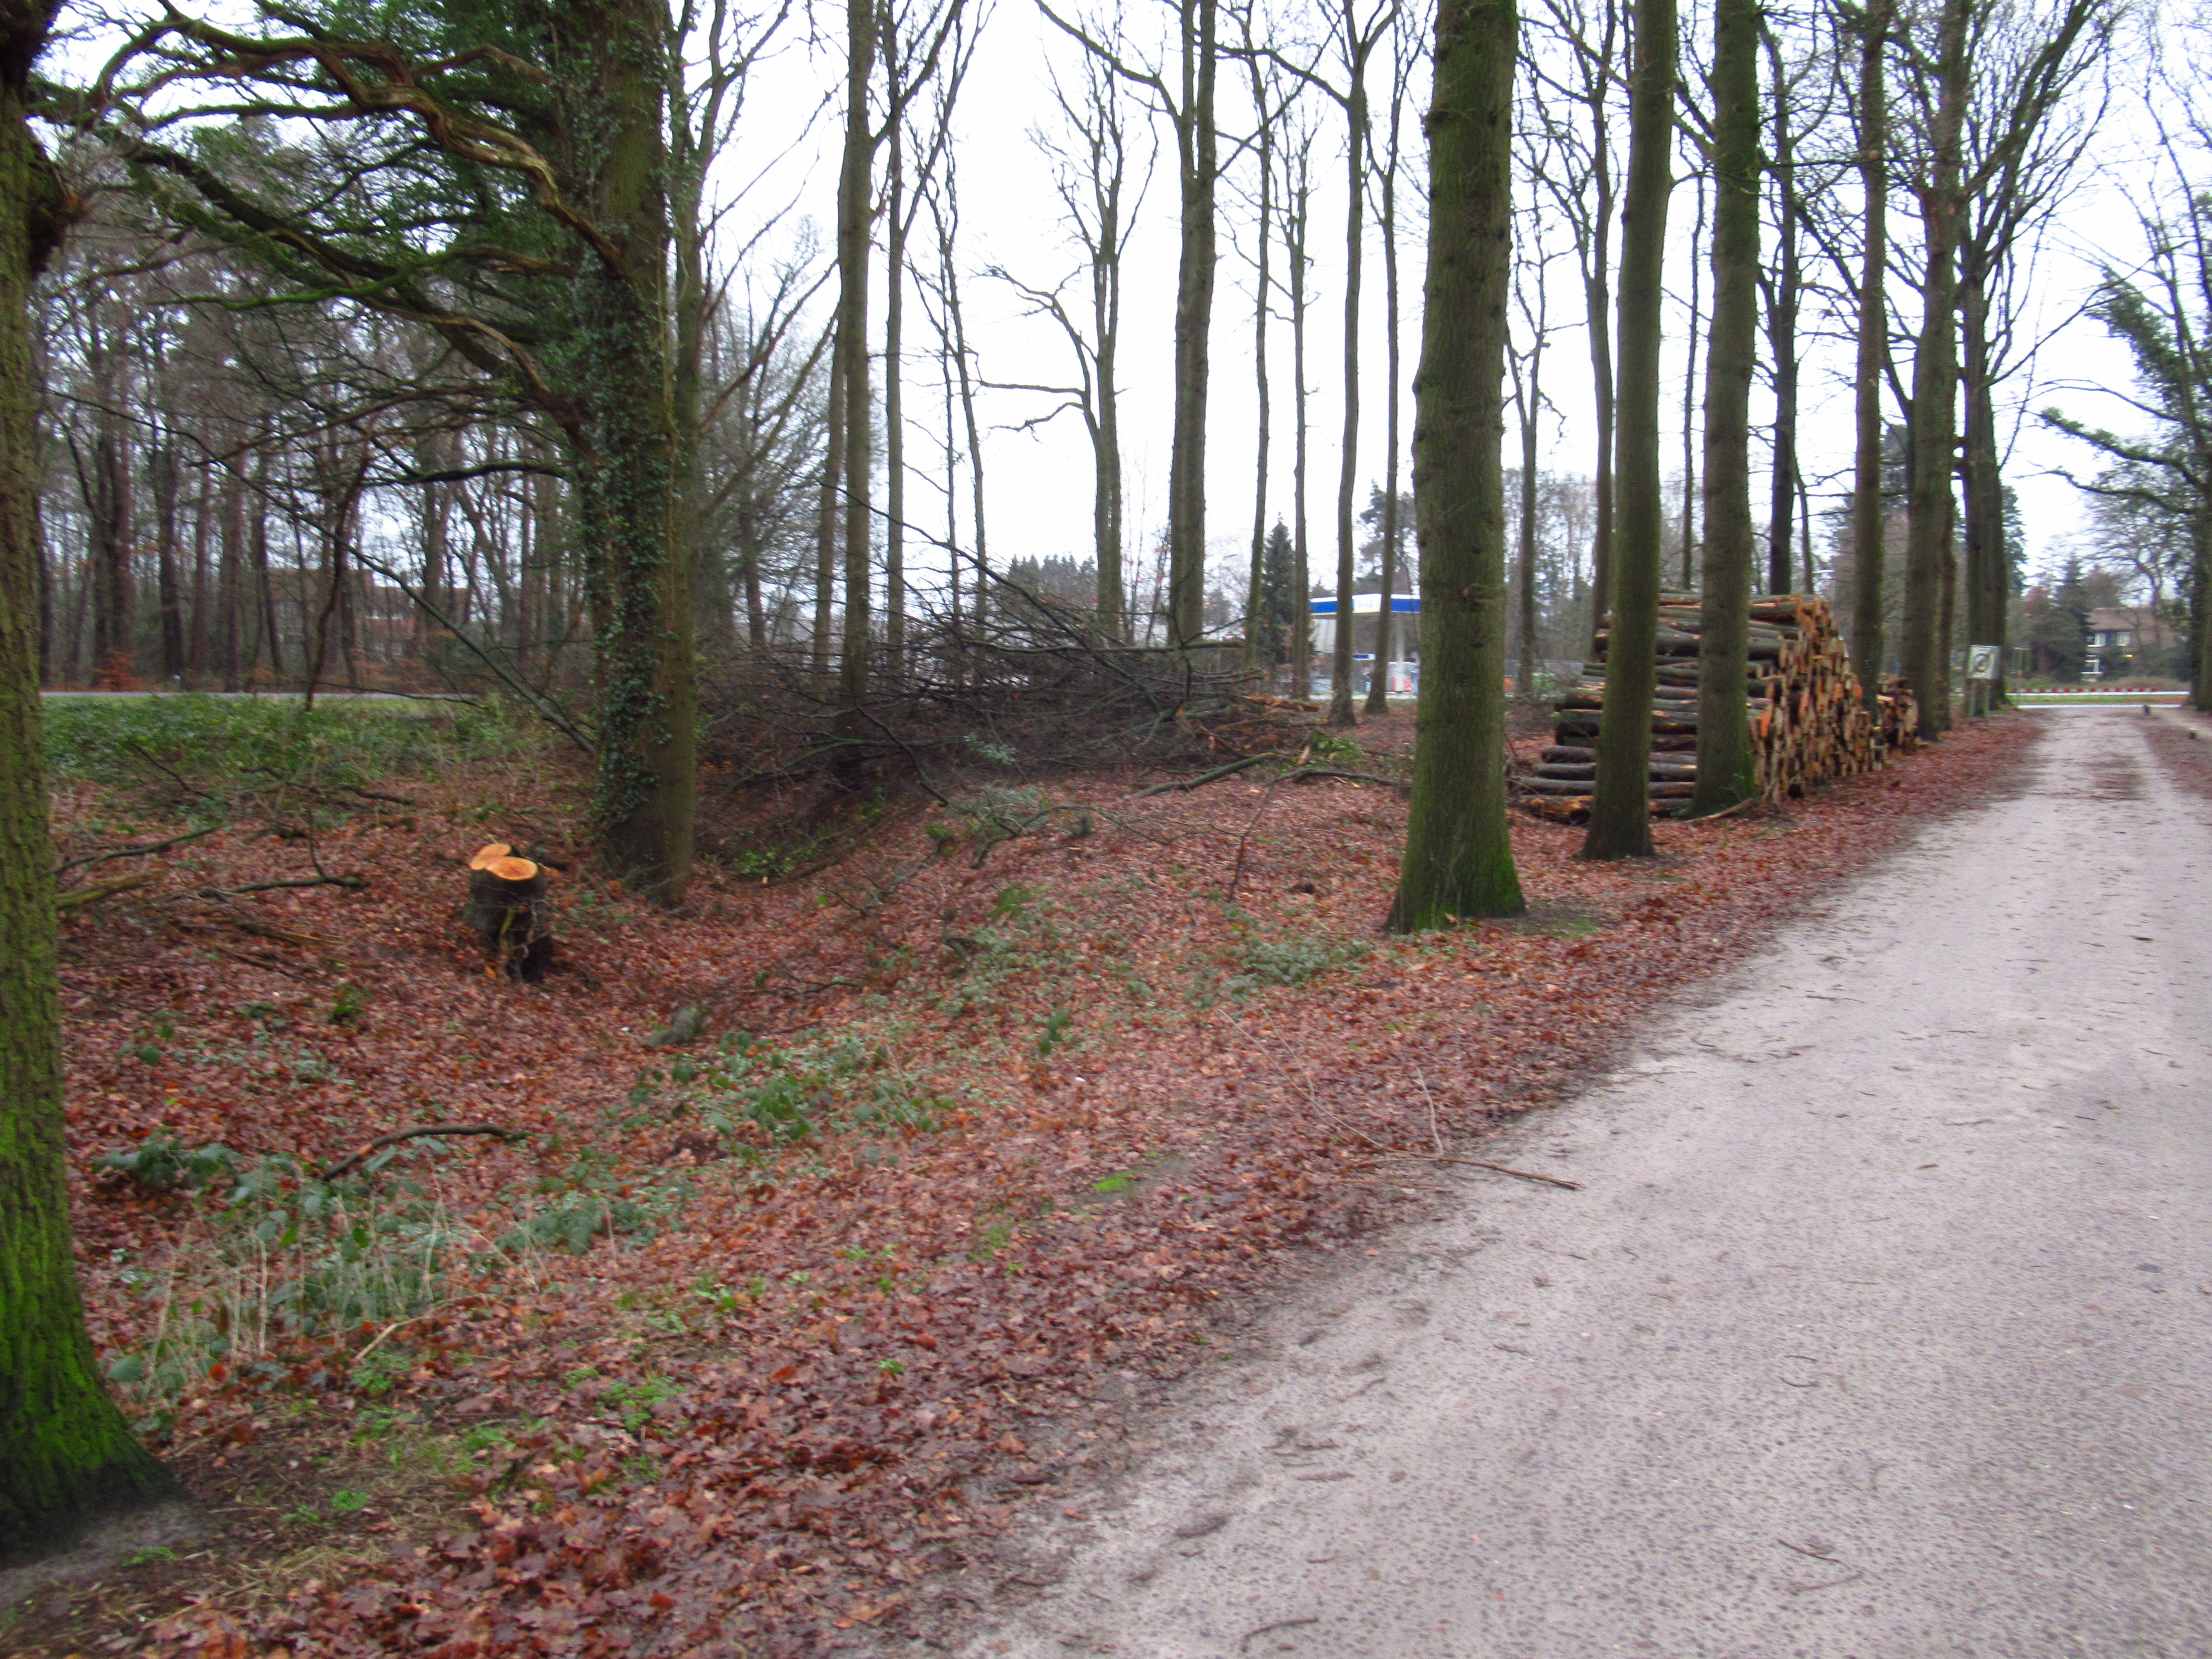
{"x": 1809, "y": 724}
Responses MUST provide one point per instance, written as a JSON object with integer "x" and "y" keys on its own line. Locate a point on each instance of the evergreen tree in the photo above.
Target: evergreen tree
{"x": 1274, "y": 609}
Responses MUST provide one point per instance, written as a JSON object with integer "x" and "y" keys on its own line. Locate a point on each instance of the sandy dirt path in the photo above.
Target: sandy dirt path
{"x": 1881, "y": 1328}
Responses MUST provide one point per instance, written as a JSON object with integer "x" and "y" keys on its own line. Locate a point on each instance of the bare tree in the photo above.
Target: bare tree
{"x": 1189, "y": 106}
{"x": 1725, "y": 773}
{"x": 1459, "y": 857}
{"x": 1619, "y": 824}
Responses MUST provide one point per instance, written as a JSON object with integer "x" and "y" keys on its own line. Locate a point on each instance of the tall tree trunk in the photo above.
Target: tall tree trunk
{"x": 1340, "y": 709}
{"x": 1690, "y": 400}
{"x": 1459, "y": 856}
{"x": 66, "y": 1453}
{"x": 1528, "y": 398}
{"x": 1935, "y": 378}
{"x": 826, "y": 519}
{"x": 1782, "y": 335}
{"x": 1256, "y": 600}
{"x": 1620, "y": 824}
{"x": 1197, "y": 157}
{"x": 1725, "y": 771}
{"x": 855, "y": 201}
{"x": 894, "y": 400}
{"x": 1595, "y": 255}
{"x": 1107, "y": 533}
{"x": 1298, "y": 193}
{"x": 625, "y": 487}
{"x": 168, "y": 591}
{"x": 203, "y": 530}
{"x": 1869, "y": 521}
{"x": 1987, "y": 578}
{"x": 112, "y": 622}
{"x": 1378, "y": 690}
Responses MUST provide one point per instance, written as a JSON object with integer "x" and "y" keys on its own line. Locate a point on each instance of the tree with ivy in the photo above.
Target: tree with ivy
{"x": 67, "y": 1456}
{"x": 495, "y": 173}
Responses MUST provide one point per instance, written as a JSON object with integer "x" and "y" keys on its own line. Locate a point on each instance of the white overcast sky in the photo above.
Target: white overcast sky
{"x": 1038, "y": 484}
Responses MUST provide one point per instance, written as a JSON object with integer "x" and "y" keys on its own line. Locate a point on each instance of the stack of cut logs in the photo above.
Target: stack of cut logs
{"x": 1808, "y": 725}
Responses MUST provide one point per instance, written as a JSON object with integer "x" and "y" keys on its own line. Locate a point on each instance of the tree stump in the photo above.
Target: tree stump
{"x": 506, "y": 908}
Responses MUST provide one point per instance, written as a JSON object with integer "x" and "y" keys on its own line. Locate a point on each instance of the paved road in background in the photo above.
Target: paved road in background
{"x": 1882, "y": 1328}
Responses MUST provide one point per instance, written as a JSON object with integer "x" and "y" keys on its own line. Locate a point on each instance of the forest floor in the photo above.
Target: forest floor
{"x": 1000, "y": 1123}
{"x": 1878, "y": 1325}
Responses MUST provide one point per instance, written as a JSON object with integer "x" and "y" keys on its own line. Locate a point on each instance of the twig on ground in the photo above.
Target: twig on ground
{"x": 1280, "y": 1624}
{"x": 1237, "y": 874}
{"x": 1797, "y": 1589}
{"x": 348, "y": 1164}
{"x": 1477, "y": 1163}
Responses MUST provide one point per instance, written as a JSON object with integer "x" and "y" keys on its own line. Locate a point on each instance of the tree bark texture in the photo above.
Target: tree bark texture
{"x": 1256, "y": 595}
{"x": 1386, "y": 624}
{"x": 1620, "y": 825}
{"x": 1458, "y": 856}
{"x": 855, "y": 204}
{"x": 1726, "y": 772}
{"x": 1341, "y": 712}
{"x": 1197, "y": 156}
{"x": 1781, "y": 337}
{"x": 1867, "y": 520}
{"x": 626, "y": 500}
{"x": 1934, "y": 384}
{"x": 66, "y": 1454}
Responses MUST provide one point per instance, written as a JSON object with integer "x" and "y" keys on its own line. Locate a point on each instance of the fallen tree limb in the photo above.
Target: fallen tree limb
{"x": 1185, "y": 785}
{"x": 1477, "y": 1163}
{"x": 347, "y": 882}
{"x": 348, "y": 1164}
{"x": 147, "y": 851}
{"x": 1306, "y": 772}
{"x": 77, "y": 898}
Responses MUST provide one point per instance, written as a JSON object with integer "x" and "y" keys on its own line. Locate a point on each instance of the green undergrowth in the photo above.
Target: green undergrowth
{"x": 757, "y": 1096}
{"x": 118, "y": 740}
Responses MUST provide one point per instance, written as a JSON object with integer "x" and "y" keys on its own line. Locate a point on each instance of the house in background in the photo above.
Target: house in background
{"x": 2124, "y": 639}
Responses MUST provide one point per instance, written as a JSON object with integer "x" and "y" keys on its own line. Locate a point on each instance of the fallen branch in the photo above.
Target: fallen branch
{"x": 1477, "y": 1163}
{"x": 77, "y": 898}
{"x": 134, "y": 852}
{"x": 348, "y": 1165}
{"x": 349, "y": 882}
{"x": 1185, "y": 785}
{"x": 1303, "y": 773}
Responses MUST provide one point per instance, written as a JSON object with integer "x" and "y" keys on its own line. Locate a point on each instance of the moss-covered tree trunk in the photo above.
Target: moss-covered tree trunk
{"x": 1868, "y": 551}
{"x": 1621, "y": 825}
{"x": 1725, "y": 775}
{"x": 625, "y": 452}
{"x": 1458, "y": 856}
{"x": 66, "y": 1454}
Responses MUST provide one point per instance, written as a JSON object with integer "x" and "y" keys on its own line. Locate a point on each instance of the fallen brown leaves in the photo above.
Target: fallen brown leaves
{"x": 836, "y": 1368}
